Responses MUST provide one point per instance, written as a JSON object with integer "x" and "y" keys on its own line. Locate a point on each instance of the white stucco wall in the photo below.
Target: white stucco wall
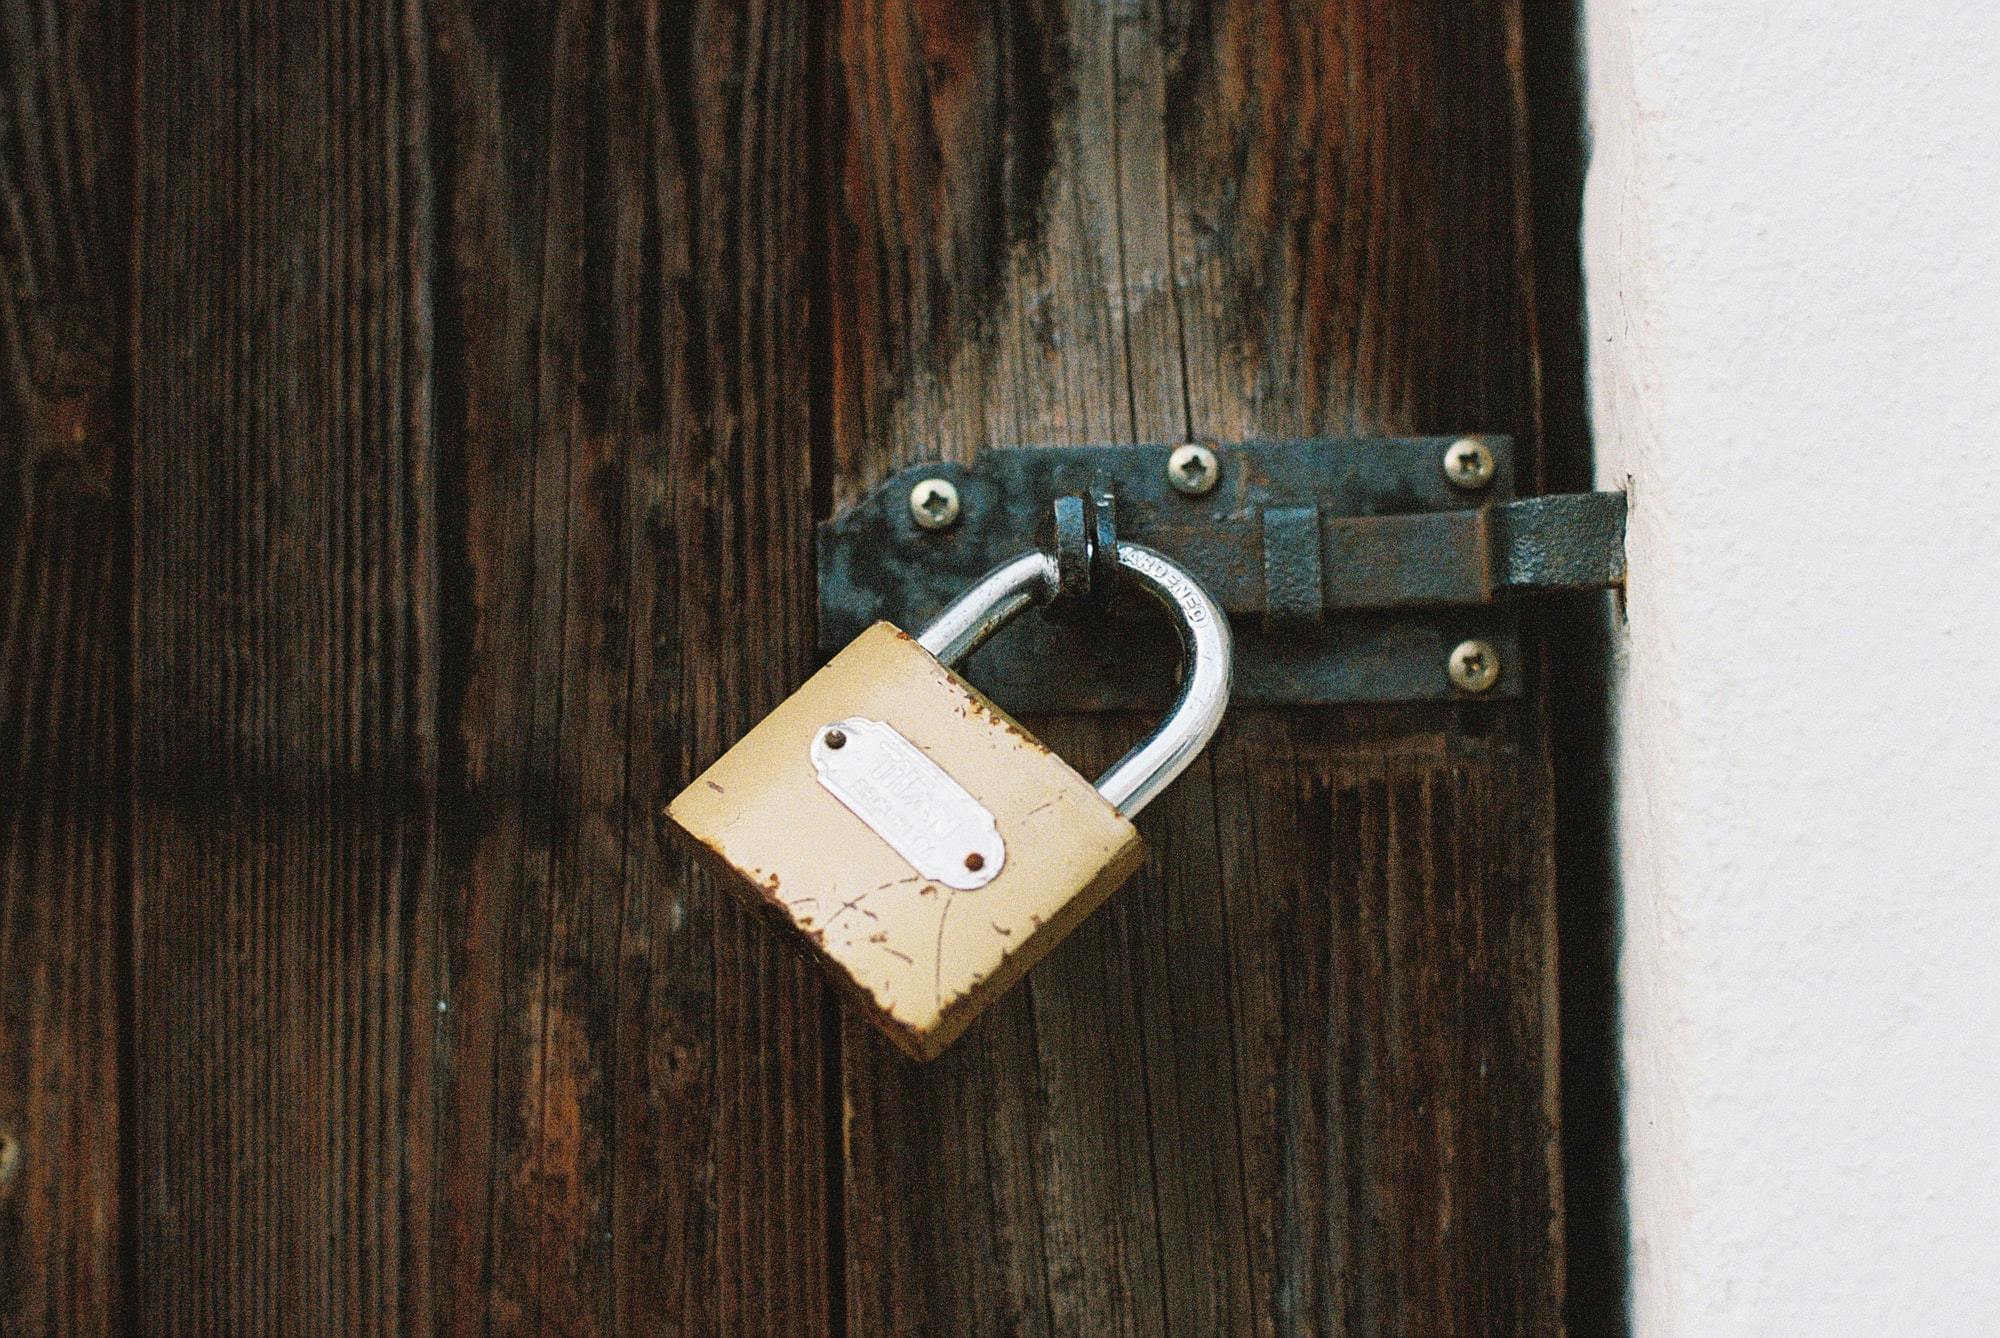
{"x": 1792, "y": 224}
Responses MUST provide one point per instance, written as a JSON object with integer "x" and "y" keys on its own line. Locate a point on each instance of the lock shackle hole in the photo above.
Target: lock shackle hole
{"x": 1156, "y": 760}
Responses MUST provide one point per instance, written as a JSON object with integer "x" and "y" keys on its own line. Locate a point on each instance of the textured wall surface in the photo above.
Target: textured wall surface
{"x": 1792, "y": 219}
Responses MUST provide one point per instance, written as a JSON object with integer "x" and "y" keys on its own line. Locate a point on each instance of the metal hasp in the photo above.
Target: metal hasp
{"x": 1354, "y": 569}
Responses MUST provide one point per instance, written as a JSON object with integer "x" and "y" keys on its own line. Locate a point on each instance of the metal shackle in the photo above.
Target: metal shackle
{"x": 1158, "y": 758}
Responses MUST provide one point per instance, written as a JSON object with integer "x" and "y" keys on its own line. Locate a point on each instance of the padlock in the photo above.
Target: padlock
{"x": 914, "y": 838}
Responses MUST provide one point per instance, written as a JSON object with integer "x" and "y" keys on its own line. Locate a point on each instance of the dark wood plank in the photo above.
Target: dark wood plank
{"x": 631, "y": 1074}
{"x": 1008, "y": 1187}
{"x": 473, "y": 509}
{"x": 286, "y": 667}
{"x": 523, "y": 1194}
{"x": 64, "y": 214}
{"x": 728, "y": 1121}
{"x": 1579, "y": 637}
{"x": 1299, "y": 1076}
{"x": 1370, "y": 268}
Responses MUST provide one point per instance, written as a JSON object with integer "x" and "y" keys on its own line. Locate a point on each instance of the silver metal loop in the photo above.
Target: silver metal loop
{"x": 989, "y": 605}
{"x": 1157, "y": 759}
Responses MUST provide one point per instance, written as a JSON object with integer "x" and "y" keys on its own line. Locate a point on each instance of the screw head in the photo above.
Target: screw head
{"x": 1192, "y": 469}
{"x": 934, "y": 504}
{"x": 1468, "y": 463}
{"x": 835, "y": 738}
{"x": 1474, "y": 666}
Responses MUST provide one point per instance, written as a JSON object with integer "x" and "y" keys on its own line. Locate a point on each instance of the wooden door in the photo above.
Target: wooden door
{"x": 414, "y": 416}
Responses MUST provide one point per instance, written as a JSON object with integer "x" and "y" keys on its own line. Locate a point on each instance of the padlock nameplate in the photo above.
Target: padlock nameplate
{"x": 909, "y": 801}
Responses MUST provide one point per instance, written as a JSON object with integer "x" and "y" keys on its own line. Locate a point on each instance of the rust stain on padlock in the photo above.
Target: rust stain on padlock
{"x": 900, "y": 946}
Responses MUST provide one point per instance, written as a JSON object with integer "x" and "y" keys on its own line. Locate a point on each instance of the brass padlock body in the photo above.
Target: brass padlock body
{"x": 918, "y": 957}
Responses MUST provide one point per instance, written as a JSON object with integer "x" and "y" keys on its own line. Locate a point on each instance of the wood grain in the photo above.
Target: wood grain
{"x": 285, "y": 671}
{"x": 461, "y": 355}
{"x": 414, "y": 414}
{"x": 631, "y": 1134}
{"x": 1298, "y": 1077}
{"x": 63, "y": 606}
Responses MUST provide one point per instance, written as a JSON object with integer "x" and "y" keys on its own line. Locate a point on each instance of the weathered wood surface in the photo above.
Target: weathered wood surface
{"x": 1300, "y": 1076}
{"x": 63, "y": 440}
{"x": 412, "y": 439}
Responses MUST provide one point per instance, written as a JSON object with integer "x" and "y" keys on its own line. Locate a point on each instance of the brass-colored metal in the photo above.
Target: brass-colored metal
{"x": 1468, "y": 463}
{"x": 918, "y": 957}
{"x": 1474, "y": 666}
{"x": 1192, "y": 469}
{"x": 934, "y": 504}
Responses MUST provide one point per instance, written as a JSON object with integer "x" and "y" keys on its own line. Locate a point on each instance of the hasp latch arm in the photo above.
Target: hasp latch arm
{"x": 1354, "y": 568}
